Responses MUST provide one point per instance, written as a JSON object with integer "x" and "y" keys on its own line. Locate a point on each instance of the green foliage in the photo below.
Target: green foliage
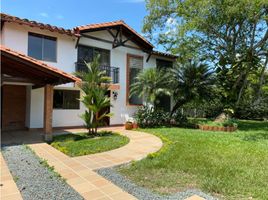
{"x": 150, "y": 84}
{"x": 84, "y": 144}
{"x": 95, "y": 88}
{"x": 248, "y": 111}
{"x": 147, "y": 116}
{"x": 192, "y": 81}
{"x": 231, "y": 35}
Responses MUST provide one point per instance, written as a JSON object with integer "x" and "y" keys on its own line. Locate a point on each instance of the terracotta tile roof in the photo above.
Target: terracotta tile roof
{"x": 159, "y": 53}
{"x": 9, "y": 18}
{"x": 100, "y": 26}
{"x": 40, "y": 64}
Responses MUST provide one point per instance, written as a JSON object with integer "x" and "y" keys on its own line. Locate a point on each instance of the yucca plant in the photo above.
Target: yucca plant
{"x": 94, "y": 87}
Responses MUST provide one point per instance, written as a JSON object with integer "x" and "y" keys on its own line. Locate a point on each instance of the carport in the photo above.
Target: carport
{"x": 17, "y": 70}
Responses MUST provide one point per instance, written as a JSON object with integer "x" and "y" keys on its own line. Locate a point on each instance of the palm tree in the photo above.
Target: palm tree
{"x": 150, "y": 83}
{"x": 94, "y": 86}
{"x": 191, "y": 81}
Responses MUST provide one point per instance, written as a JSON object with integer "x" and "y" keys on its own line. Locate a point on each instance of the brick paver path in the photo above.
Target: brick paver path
{"x": 78, "y": 171}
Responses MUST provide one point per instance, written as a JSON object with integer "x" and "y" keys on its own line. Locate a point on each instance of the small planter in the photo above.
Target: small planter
{"x": 128, "y": 125}
{"x": 217, "y": 128}
{"x": 135, "y": 125}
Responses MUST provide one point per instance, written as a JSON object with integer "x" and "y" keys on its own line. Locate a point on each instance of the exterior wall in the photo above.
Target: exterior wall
{"x": 16, "y": 37}
{"x": 121, "y": 111}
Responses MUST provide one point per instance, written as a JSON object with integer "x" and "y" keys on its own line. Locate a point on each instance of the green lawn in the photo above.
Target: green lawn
{"x": 81, "y": 144}
{"x": 227, "y": 165}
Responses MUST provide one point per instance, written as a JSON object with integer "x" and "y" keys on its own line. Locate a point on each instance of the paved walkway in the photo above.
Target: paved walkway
{"x": 8, "y": 188}
{"x": 78, "y": 171}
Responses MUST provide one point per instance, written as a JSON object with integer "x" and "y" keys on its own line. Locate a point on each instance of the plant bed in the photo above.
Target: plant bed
{"x": 83, "y": 144}
{"x": 217, "y": 128}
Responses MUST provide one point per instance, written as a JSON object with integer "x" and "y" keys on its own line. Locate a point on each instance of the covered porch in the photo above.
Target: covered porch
{"x": 20, "y": 74}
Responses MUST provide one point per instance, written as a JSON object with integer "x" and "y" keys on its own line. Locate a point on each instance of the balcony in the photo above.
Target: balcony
{"x": 112, "y": 72}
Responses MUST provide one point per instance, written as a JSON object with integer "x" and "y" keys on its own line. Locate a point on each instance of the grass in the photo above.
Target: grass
{"x": 82, "y": 144}
{"x": 227, "y": 165}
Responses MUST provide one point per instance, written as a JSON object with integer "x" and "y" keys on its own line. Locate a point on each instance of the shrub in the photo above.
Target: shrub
{"x": 248, "y": 111}
{"x": 147, "y": 116}
{"x": 230, "y": 122}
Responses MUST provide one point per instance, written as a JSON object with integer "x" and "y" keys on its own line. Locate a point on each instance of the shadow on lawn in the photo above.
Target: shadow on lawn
{"x": 80, "y": 136}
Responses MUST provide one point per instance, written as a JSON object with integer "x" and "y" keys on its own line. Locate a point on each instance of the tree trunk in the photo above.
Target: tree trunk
{"x": 177, "y": 105}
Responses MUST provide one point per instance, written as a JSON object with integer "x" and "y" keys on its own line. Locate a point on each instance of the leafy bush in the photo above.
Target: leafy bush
{"x": 252, "y": 112}
{"x": 230, "y": 122}
{"x": 147, "y": 116}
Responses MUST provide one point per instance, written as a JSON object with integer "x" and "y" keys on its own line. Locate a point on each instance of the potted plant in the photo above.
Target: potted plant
{"x": 135, "y": 125}
{"x": 128, "y": 125}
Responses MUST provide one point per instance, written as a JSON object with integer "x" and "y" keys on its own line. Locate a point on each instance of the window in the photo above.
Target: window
{"x": 135, "y": 65}
{"x": 42, "y": 47}
{"x": 163, "y": 64}
{"x": 86, "y": 54}
{"x": 66, "y": 99}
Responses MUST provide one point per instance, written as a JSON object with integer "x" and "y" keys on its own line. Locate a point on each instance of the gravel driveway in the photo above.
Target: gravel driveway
{"x": 34, "y": 180}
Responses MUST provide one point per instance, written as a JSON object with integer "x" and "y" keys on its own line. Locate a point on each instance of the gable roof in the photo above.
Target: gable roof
{"x": 33, "y": 66}
{"x": 13, "y": 19}
{"x": 127, "y": 30}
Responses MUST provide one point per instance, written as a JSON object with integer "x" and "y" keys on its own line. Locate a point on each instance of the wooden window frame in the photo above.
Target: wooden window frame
{"x": 128, "y": 78}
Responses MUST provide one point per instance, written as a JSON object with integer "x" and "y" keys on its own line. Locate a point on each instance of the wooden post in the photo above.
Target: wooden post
{"x": 48, "y": 109}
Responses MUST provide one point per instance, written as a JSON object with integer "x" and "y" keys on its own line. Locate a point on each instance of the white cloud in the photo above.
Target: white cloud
{"x": 44, "y": 14}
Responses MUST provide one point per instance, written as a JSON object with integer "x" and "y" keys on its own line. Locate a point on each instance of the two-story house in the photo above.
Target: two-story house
{"x": 38, "y": 60}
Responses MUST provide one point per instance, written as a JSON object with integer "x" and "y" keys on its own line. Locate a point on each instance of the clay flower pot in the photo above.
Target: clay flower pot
{"x": 128, "y": 125}
{"x": 135, "y": 125}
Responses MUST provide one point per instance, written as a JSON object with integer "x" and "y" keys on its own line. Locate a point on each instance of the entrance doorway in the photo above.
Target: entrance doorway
{"x": 13, "y": 107}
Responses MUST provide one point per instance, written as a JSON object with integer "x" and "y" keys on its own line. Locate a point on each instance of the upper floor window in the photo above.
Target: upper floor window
{"x": 42, "y": 47}
{"x": 135, "y": 66}
{"x": 86, "y": 54}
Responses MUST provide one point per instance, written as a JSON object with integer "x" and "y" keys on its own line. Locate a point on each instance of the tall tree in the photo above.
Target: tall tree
{"x": 231, "y": 34}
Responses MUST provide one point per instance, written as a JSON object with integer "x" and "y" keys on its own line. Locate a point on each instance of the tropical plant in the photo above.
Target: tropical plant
{"x": 94, "y": 87}
{"x": 191, "y": 81}
{"x": 150, "y": 84}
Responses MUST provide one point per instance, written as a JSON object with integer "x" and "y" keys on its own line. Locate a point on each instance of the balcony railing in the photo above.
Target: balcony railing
{"x": 112, "y": 72}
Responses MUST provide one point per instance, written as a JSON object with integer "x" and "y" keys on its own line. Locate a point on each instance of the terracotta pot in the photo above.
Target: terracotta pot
{"x": 128, "y": 125}
{"x": 135, "y": 125}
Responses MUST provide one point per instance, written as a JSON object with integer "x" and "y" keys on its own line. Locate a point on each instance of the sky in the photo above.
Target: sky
{"x": 71, "y": 13}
